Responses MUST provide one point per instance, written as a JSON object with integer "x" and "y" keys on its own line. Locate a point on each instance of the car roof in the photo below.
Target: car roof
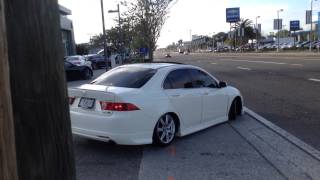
{"x": 156, "y": 65}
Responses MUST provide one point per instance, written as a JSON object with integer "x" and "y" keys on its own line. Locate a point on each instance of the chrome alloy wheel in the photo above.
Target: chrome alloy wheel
{"x": 166, "y": 129}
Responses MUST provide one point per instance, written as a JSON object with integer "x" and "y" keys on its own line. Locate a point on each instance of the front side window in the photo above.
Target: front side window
{"x": 128, "y": 77}
{"x": 201, "y": 79}
{"x": 178, "y": 79}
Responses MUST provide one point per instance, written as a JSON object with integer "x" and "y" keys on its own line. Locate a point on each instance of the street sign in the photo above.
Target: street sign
{"x": 259, "y": 28}
{"x": 294, "y": 25}
{"x": 144, "y": 51}
{"x": 308, "y": 17}
{"x": 233, "y": 14}
{"x": 277, "y": 24}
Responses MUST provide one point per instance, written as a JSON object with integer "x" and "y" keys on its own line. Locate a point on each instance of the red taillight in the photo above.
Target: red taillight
{"x": 108, "y": 106}
{"x": 71, "y": 100}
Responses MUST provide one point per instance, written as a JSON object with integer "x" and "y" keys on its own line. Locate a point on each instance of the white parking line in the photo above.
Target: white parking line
{"x": 243, "y": 68}
{"x": 213, "y": 63}
{"x": 315, "y": 80}
{"x": 263, "y": 62}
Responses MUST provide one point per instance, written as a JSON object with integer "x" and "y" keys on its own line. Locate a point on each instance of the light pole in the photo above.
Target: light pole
{"x": 104, "y": 36}
{"x": 257, "y": 33}
{"x": 311, "y": 29}
{"x": 278, "y": 39}
{"x": 120, "y": 35}
{"x": 213, "y": 36}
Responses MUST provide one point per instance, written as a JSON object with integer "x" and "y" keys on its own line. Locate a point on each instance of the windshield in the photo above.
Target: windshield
{"x": 129, "y": 77}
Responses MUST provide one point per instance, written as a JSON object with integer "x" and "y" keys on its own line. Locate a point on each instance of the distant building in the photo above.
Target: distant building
{"x": 67, "y": 31}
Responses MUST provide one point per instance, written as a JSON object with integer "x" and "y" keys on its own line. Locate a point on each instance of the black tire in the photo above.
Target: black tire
{"x": 87, "y": 74}
{"x": 165, "y": 130}
{"x": 233, "y": 110}
{"x": 94, "y": 66}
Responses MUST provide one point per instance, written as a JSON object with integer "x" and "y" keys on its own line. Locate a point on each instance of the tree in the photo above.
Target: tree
{"x": 40, "y": 108}
{"x": 249, "y": 33}
{"x": 82, "y": 49}
{"x": 8, "y": 166}
{"x": 283, "y": 33}
{"x": 147, "y": 17}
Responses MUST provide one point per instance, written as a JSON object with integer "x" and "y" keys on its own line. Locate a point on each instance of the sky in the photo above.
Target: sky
{"x": 201, "y": 17}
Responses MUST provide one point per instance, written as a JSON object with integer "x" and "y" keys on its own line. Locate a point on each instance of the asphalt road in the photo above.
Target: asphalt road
{"x": 282, "y": 88}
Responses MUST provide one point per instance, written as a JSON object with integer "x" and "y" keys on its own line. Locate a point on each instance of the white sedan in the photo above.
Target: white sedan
{"x": 151, "y": 103}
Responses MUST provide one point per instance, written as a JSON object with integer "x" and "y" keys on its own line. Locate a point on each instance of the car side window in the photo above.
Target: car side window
{"x": 178, "y": 79}
{"x": 201, "y": 79}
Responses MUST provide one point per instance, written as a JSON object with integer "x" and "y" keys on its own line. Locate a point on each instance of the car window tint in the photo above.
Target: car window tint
{"x": 202, "y": 79}
{"x": 178, "y": 79}
{"x": 129, "y": 77}
{"x": 67, "y": 65}
{"x": 72, "y": 58}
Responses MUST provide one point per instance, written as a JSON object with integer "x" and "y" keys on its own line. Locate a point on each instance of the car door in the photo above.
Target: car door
{"x": 186, "y": 99}
{"x": 215, "y": 99}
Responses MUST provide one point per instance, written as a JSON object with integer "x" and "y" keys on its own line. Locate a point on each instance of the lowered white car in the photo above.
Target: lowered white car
{"x": 151, "y": 103}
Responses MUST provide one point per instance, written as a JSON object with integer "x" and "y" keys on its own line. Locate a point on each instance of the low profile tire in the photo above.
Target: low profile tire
{"x": 87, "y": 74}
{"x": 165, "y": 130}
{"x": 94, "y": 66}
{"x": 233, "y": 111}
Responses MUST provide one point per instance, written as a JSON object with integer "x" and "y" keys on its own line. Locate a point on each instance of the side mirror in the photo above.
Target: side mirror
{"x": 222, "y": 84}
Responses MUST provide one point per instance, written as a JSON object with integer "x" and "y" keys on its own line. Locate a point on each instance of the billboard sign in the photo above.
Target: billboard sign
{"x": 233, "y": 14}
{"x": 277, "y": 24}
{"x": 308, "y": 17}
{"x": 294, "y": 25}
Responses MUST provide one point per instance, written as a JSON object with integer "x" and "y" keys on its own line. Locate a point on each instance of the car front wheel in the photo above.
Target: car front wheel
{"x": 165, "y": 130}
{"x": 235, "y": 109}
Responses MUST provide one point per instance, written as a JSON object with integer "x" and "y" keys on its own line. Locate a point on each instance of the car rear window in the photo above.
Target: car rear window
{"x": 73, "y": 58}
{"x": 128, "y": 77}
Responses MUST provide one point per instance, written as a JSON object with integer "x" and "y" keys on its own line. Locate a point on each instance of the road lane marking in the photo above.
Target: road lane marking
{"x": 243, "y": 68}
{"x": 262, "y": 62}
{"x": 296, "y": 64}
{"x": 313, "y": 79}
{"x": 213, "y": 63}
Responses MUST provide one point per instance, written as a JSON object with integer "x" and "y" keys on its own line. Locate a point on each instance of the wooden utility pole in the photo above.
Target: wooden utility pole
{"x": 8, "y": 166}
{"x": 43, "y": 139}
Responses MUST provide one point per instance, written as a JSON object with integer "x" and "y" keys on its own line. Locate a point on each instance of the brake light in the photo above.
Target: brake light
{"x": 71, "y": 100}
{"x": 109, "y": 106}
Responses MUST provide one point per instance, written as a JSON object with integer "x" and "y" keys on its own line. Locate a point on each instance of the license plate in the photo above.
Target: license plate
{"x": 86, "y": 103}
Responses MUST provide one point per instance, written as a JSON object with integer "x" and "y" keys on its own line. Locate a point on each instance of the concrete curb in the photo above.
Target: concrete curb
{"x": 294, "y": 140}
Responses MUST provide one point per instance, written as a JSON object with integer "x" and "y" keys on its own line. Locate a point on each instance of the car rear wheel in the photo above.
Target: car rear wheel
{"x": 165, "y": 130}
{"x": 94, "y": 66}
{"x": 87, "y": 74}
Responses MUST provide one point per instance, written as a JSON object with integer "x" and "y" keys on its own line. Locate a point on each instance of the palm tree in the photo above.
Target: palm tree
{"x": 249, "y": 33}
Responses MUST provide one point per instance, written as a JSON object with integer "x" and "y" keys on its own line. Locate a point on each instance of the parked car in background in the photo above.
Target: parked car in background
{"x": 77, "y": 60}
{"x": 97, "y": 61}
{"x": 303, "y": 44}
{"x": 75, "y": 72}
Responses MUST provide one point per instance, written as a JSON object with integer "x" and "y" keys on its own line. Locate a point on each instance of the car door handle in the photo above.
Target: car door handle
{"x": 206, "y": 94}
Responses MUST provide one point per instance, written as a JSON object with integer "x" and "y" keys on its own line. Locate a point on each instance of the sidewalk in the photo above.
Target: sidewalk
{"x": 244, "y": 149}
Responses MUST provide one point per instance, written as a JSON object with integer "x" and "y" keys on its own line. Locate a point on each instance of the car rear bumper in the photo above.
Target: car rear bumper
{"x": 121, "y": 128}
